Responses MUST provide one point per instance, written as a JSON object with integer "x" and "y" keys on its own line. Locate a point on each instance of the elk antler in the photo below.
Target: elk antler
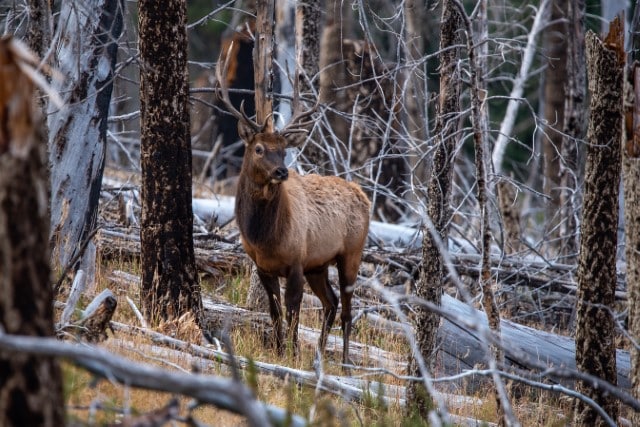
{"x": 221, "y": 76}
{"x": 297, "y": 124}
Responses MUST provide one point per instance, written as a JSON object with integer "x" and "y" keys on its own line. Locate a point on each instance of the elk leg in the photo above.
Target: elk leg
{"x": 292, "y": 301}
{"x": 272, "y": 286}
{"x": 347, "y": 273}
{"x": 319, "y": 284}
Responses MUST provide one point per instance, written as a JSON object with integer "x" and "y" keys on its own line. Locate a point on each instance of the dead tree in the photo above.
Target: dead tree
{"x": 30, "y": 385}
{"x": 86, "y": 57}
{"x": 596, "y": 275}
{"x": 432, "y": 269}
{"x": 170, "y": 286}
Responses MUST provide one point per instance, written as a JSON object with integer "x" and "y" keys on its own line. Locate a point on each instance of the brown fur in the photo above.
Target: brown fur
{"x": 296, "y": 227}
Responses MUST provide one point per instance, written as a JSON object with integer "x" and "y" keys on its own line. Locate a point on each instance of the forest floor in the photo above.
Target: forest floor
{"x": 99, "y": 402}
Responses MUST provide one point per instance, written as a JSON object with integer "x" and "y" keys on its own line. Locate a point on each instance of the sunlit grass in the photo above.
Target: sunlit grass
{"x": 93, "y": 401}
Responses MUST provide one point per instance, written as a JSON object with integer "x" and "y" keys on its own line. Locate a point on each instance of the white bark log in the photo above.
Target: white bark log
{"x": 225, "y": 393}
{"x": 85, "y": 55}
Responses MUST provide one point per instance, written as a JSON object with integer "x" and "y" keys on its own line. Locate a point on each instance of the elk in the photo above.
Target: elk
{"x": 296, "y": 226}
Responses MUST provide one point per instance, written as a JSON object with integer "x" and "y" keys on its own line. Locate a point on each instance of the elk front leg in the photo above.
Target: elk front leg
{"x": 292, "y": 301}
{"x": 272, "y": 286}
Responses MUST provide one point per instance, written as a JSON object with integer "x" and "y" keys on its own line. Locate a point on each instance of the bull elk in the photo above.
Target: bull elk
{"x": 295, "y": 226}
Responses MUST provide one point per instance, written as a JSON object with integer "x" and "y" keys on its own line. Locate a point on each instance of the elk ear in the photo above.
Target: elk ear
{"x": 296, "y": 137}
{"x": 245, "y": 131}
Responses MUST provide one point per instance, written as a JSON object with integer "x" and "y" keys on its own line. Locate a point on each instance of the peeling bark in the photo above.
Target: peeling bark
{"x": 86, "y": 57}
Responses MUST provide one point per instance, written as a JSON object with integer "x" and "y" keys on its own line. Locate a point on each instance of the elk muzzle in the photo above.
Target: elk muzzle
{"x": 279, "y": 174}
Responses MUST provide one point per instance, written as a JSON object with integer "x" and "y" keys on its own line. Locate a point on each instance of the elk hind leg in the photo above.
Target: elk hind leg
{"x": 348, "y": 266}
{"x": 319, "y": 284}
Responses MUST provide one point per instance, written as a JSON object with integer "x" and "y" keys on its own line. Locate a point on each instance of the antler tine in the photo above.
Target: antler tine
{"x": 296, "y": 124}
{"x": 224, "y": 91}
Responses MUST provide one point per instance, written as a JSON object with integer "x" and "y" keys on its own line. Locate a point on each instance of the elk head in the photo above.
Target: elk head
{"x": 264, "y": 149}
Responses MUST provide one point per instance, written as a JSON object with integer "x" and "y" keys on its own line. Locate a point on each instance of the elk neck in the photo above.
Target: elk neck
{"x": 262, "y": 212}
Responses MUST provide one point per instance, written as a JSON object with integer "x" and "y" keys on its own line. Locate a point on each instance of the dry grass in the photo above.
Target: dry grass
{"x": 99, "y": 402}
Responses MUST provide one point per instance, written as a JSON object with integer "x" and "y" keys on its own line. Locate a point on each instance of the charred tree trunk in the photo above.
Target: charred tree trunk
{"x": 39, "y": 30}
{"x": 170, "y": 285}
{"x": 78, "y": 133}
{"x": 574, "y": 130}
{"x": 596, "y": 275}
{"x": 432, "y": 272}
{"x": 308, "y": 35}
{"x": 30, "y": 386}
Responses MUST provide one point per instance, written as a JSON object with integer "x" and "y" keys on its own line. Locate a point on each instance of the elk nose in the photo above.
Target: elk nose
{"x": 281, "y": 174}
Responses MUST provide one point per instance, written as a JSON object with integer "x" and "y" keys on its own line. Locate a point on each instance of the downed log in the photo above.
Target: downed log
{"x": 204, "y": 358}
{"x": 95, "y": 319}
{"x": 461, "y": 347}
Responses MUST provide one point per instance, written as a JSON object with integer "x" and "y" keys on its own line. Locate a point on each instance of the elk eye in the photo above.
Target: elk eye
{"x": 259, "y": 150}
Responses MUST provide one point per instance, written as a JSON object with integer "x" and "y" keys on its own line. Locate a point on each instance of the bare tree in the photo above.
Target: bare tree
{"x": 170, "y": 286}
{"x": 30, "y": 385}
{"x": 596, "y": 275}
{"x": 432, "y": 273}
{"x": 87, "y": 36}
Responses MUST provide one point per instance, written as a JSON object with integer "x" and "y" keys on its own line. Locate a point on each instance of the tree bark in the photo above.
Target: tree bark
{"x": 30, "y": 386}
{"x": 86, "y": 57}
{"x": 308, "y": 35}
{"x": 596, "y": 275}
{"x": 170, "y": 285}
{"x": 39, "y": 27}
{"x": 432, "y": 272}
{"x": 263, "y": 62}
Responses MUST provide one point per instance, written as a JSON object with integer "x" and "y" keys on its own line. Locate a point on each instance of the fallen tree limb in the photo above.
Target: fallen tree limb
{"x": 221, "y": 392}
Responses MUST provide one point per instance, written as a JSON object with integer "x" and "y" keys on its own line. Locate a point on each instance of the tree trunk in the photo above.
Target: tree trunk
{"x": 30, "y": 386}
{"x": 432, "y": 272}
{"x": 631, "y": 180}
{"x": 555, "y": 79}
{"x": 39, "y": 30}
{"x": 596, "y": 275}
{"x": 574, "y": 129}
{"x": 170, "y": 285}
{"x": 308, "y": 36}
{"x": 263, "y": 62}
{"x": 86, "y": 57}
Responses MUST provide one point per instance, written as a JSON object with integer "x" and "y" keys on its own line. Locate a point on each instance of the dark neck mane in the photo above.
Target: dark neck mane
{"x": 262, "y": 212}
